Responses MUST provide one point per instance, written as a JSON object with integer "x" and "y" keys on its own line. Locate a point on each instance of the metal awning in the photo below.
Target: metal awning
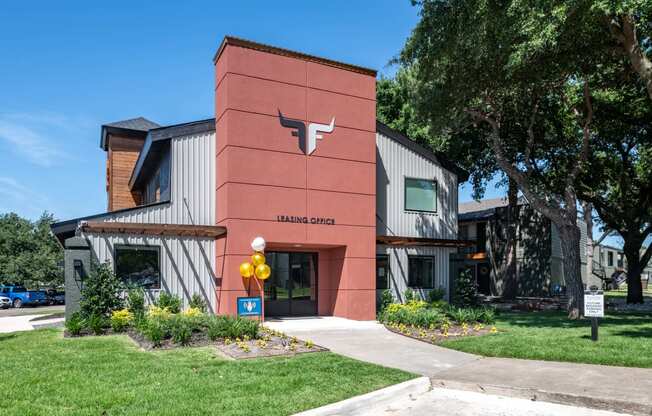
{"x": 392, "y": 240}
{"x": 113, "y": 227}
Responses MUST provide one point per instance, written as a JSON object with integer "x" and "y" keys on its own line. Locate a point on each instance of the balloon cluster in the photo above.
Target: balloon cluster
{"x": 257, "y": 267}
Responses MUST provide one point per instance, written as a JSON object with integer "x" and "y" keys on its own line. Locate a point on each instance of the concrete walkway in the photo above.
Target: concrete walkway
{"x": 25, "y": 323}
{"x": 626, "y": 390}
{"x": 372, "y": 342}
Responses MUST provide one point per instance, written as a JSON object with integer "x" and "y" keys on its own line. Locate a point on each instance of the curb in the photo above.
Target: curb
{"x": 618, "y": 406}
{"x": 362, "y": 403}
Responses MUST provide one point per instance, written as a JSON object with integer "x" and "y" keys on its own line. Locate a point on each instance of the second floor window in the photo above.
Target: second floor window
{"x": 420, "y": 195}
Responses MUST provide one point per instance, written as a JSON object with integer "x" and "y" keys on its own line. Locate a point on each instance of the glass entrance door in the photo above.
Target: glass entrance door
{"x": 291, "y": 289}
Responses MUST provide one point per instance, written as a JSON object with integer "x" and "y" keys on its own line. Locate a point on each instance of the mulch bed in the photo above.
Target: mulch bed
{"x": 271, "y": 344}
{"x": 436, "y": 336}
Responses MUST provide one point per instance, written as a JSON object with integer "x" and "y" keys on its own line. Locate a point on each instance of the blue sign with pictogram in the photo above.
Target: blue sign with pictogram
{"x": 250, "y": 306}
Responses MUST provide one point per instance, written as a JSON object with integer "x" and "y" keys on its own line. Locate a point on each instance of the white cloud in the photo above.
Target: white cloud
{"x": 31, "y": 136}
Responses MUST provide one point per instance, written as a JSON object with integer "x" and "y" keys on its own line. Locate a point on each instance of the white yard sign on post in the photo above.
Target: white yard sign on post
{"x": 593, "y": 304}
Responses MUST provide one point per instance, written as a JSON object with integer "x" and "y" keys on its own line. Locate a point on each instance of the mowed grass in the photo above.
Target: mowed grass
{"x": 624, "y": 339}
{"x": 45, "y": 374}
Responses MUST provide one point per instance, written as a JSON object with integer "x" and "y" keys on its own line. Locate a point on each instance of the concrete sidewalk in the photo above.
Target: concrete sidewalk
{"x": 25, "y": 323}
{"x": 625, "y": 390}
{"x": 372, "y": 342}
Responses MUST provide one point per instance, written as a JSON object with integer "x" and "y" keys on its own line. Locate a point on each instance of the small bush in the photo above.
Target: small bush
{"x": 180, "y": 329}
{"x": 409, "y": 295}
{"x": 465, "y": 289}
{"x": 170, "y": 302}
{"x": 197, "y": 302}
{"x": 154, "y": 312}
{"x": 217, "y": 327}
{"x": 96, "y": 323}
{"x": 414, "y": 314}
{"x": 136, "y": 302}
{"x": 100, "y": 294}
{"x": 231, "y": 327}
{"x": 386, "y": 299}
{"x": 192, "y": 312}
{"x": 154, "y": 330}
{"x": 75, "y": 324}
{"x": 487, "y": 316}
{"x": 121, "y": 319}
{"x": 435, "y": 295}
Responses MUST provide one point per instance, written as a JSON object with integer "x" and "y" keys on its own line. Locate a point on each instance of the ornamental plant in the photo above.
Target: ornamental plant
{"x": 465, "y": 289}
{"x": 197, "y": 302}
{"x": 74, "y": 324}
{"x": 121, "y": 319}
{"x": 192, "y": 312}
{"x": 156, "y": 312}
{"x": 100, "y": 294}
{"x": 169, "y": 301}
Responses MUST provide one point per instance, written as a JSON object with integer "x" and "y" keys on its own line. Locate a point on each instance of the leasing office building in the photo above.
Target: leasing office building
{"x": 294, "y": 154}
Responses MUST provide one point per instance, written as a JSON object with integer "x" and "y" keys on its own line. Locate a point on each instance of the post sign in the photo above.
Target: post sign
{"x": 593, "y": 304}
{"x": 250, "y": 306}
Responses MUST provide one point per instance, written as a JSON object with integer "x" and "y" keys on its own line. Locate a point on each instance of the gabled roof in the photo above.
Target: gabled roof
{"x": 133, "y": 127}
{"x": 436, "y": 157}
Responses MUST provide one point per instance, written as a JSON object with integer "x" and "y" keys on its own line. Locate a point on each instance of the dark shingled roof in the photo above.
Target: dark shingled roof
{"x": 138, "y": 123}
{"x": 133, "y": 127}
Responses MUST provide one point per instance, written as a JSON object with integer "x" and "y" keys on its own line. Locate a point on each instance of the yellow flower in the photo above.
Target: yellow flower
{"x": 493, "y": 330}
{"x": 156, "y": 312}
{"x": 192, "y": 312}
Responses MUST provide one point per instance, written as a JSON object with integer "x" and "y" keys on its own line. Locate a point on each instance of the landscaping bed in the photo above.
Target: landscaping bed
{"x": 438, "y": 335}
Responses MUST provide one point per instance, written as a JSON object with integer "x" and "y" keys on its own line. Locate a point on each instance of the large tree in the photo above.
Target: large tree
{"x": 526, "y": 64}
{"x": 29, "y": 254}
{"x": 619, "y": 181}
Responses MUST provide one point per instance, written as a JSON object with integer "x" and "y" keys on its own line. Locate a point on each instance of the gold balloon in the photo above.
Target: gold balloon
{"x": 246, "y": 269}
{"x": 258, "y": 258}
{"x": 263, "y": 271}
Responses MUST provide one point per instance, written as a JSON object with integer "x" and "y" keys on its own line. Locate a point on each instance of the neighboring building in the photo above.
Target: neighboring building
{"x": 295, "y": 155}
{"x": 539, "y": 265}
{"x": 609, "y": 262}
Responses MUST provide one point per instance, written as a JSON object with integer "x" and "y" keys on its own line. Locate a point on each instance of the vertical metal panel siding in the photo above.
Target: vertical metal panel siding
{"x": 398, "y": 264}
{"x": 394, "y": 163}
{"x": 193, "y": 178}
{"x": 187, "y": 263}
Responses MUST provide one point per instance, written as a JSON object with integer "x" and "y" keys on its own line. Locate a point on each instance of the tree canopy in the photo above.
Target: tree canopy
{"x": 29, "y": 253}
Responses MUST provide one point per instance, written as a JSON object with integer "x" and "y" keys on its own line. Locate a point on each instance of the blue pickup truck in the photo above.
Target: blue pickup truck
{"x": 20, "y": 296}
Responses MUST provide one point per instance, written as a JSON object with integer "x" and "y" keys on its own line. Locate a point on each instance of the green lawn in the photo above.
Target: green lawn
{"x": 45, "y": 374}
{"x": 625, "y": 340}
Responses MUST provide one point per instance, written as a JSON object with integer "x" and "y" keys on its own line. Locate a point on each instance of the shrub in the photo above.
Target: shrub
{"x": 386, "y": 299}
{"x": 154, "y": 312}
{"x": 192, "y": 312}
{"x": 487, "y": 316}
{"x": 461, "y": 315}
{"x": 121, "y": 319}
{"x": 435, "y": 295}
{"x": 169, "y": 302}
{"x": 421, "y": 317}
{"x": 410, "y": 295}
{"x": 99, "y": 296}
{"x": 75, "y": 324}
{"x": 197, "y": 302}
{"x": 96, "y": 323}
{"x": 180, "y": 329}
{"x": 230, "y": 327}
{"x": 154, "y": 330}
{"x": 465, "y": 289}
{"x": 136, "y": 302}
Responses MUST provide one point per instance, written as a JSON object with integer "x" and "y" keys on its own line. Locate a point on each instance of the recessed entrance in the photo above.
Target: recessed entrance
{"x": 291, "y": 290}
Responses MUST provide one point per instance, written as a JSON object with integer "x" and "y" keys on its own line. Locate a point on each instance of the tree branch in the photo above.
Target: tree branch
{"x": 623, "y": 29}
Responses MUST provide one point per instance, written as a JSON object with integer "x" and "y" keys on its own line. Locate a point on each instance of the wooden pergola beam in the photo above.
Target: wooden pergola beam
{"x": 207, "y": 231}
{"x": 392, "y": 240}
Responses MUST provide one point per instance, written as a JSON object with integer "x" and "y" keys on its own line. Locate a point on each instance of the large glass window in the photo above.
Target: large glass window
{"x": 382, "y": 272}
{"x": 138, "y": 266}
{"x": 421, "y": 272}
{"x": 420, "y": 195}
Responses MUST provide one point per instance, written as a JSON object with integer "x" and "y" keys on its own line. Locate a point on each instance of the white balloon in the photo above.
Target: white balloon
{"x": 258, "y": 244}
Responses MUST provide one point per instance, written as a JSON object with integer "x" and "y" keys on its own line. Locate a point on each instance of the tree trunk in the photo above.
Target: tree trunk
{"x": 632, "y": 249}
{"x": 570, "y": 243}
{"x": 510, "y": 279}
{"x": 587, "y": 208}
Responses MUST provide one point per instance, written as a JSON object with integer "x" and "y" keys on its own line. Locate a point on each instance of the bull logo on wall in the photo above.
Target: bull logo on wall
{"x": 314, "y": 129}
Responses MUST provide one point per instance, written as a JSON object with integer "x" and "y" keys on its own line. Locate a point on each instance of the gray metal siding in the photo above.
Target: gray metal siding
{"x": 398, "y": 267}
{"x": 187, "y": 263}
{"x": 395, "y": 162}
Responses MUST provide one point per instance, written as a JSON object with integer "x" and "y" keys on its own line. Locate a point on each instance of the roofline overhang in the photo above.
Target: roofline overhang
{"x": 106, "y": 130}
{"x": 243, "y": 43}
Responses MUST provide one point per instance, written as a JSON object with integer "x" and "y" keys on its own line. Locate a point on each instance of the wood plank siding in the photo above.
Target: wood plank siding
{"x": 121, "y": 159}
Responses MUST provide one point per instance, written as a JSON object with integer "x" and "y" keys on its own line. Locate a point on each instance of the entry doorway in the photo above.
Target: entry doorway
{"x": 291, "y": 289}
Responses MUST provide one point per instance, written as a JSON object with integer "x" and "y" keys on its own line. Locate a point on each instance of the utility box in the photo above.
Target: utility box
{"x": 77, "y": 265}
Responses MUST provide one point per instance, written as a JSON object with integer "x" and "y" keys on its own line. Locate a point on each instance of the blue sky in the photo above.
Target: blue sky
{"x": 70, "y": 66}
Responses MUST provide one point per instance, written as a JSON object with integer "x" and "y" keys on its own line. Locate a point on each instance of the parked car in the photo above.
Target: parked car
{"x": 55, "y": 297}
{"x": 5, "y": 302}
{"x": 19, "y": 296}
